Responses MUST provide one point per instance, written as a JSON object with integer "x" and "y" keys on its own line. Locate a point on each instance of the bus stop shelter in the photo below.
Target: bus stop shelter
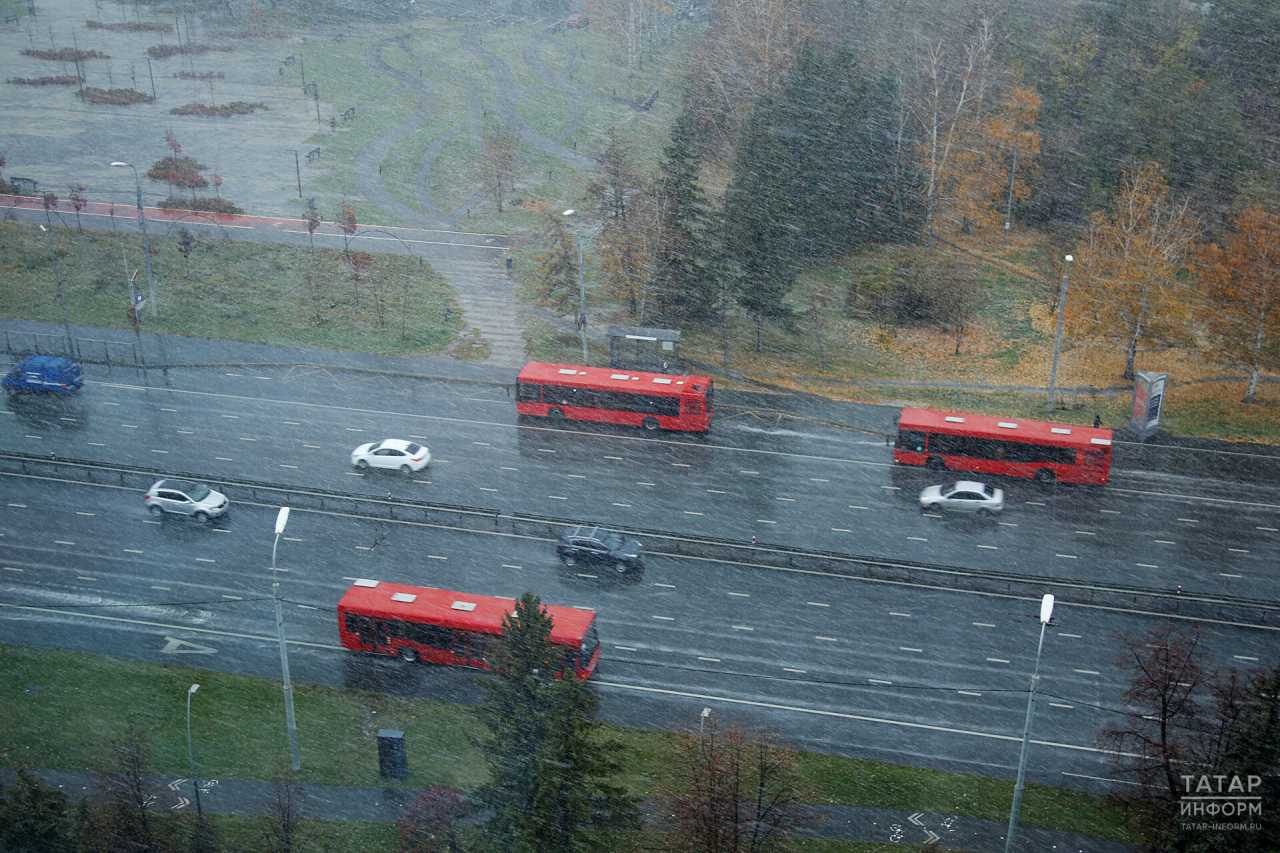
{"x": 641, "y": 348}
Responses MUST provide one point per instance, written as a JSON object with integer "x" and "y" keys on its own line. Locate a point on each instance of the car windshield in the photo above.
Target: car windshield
{"x": 413, "y": 449}
{"x": 613, "y": 541}
{"x": 198, "y": 492}
{"x": 374, "y": 447}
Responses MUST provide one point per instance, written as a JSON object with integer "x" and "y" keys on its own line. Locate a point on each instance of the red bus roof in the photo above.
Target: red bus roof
{"x": 440, "y": 607}
{"x": 1010, "y": 429}
{"x": 608, "y": 379}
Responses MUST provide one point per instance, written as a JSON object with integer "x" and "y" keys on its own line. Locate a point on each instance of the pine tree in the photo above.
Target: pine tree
{"x": 684, "y": 288}
{"x": 548, "y": 764}
{"x": 33, "y": 818}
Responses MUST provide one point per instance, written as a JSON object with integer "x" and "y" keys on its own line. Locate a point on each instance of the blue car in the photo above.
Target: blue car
{"x": 44, "y": 373}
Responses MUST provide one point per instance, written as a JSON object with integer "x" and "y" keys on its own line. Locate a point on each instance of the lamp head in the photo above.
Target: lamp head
{"x": 118, "y": 164}
{"x": 193, "y": 688}
{"x": 570, "y": 212}
{"x": 282, "y": 518}
{"x": 1046, "y": 609}
{"x": 1070, "y": 258}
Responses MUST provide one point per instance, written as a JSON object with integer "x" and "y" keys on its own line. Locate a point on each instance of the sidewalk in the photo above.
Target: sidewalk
{"x": 384, "y": 805}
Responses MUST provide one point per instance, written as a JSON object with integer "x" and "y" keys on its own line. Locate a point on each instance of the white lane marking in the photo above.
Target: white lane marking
{"x": 1060, "y": 705}
{"x": 827, "y": 639}
{"x": 841, "y": 530}
{"x": 855, "y": 506}
{"x": 748, "y": 472}
{"x": 716, "y": 491}
{"x": 1238, "y": 550}
{"x": 909, "y": 649}
{"x": 1067, "y": 556}
{"x": 776, "y": 706}
{"x": 742, "y": 627}
{"x": 667, "y": 585}
{"x": 799, "y": 671}
{"x": 879, "y": 681}
{"x": 968, "y": 693}
{"x": 996, "y": 660}
{"x": 1088, "y": 672}
{"x": 1065, "y": 634}
{"x": 666, "y": 618}
{"x": 816, "y": 604}
{"x": 1245, "y": 657}
{"x": 709, "y": 660}
{"x": 1146, "y": 565}
{"x": 618, "y": 504}
{"x": 740, "y": 594}
{"x": 985, "y": 624}
{"x": 626, "y": 649}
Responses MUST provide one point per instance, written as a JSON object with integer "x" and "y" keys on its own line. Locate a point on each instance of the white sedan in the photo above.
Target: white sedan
{"x": 965, "y": 496}
{"x": 392, "y": 453}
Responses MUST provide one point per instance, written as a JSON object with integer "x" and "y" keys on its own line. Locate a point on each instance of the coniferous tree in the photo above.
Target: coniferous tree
{"x": 33, "y": 818}
{"x": 548, "y": 764}
{"x": 684, "y": 287}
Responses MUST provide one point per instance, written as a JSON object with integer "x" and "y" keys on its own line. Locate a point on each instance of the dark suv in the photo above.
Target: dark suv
{"x": 595, "y": 545}
{"x": 44, "y": 373}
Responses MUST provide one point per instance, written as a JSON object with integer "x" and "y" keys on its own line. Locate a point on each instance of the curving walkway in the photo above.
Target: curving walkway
{"x": 485, "y": 292}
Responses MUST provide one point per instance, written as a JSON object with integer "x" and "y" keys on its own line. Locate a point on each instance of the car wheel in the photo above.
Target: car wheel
{"x": 1045, "y": 476}
{"x": 936, "y": 463}
{"x": 621, "y": 567}
{"x": 363, "y": 465}
{"x": 650, "y": 424}
{"x": 202, "y": 517}
{"x": 984, "y": 513}
{"x": 408, "y": 654}
{"x": 569, "y": 560}
{"x": 406, "y": 470}
{"x": 156, "y": 511}
{"x": 556, "y": 415}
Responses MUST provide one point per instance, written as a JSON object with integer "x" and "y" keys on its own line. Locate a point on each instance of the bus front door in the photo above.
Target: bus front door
{"x": 373, "y": 633}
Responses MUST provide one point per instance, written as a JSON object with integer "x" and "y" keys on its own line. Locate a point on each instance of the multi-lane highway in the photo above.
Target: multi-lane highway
{"x": 893, "y": 670}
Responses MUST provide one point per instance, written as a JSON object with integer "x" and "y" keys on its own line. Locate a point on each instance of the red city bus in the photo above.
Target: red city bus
{"x": 649, "y": 400}
{"x": 419, "y": 623}
{"x": 1015, "y": 448}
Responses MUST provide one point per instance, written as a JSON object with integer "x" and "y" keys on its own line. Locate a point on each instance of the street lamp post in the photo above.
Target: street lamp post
{"x": 582, "y": 292}
{"x": 297, "y": 167}
{"x": 282, "y": 518}
{"x": 146, "y": 248}
{"x": 57, "y": 277}
{"x": 1057, "y": 338}
{"x": 195, "y": 783}
{"x": 1046, "y": 613}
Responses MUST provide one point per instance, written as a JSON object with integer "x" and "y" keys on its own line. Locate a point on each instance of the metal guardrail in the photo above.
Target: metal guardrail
{"x": 756, "y": 554}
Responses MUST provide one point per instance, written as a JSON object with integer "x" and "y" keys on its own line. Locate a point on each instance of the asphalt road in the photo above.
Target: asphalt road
{"x": 893, "y": 671}
{"x": 810, "y": 482}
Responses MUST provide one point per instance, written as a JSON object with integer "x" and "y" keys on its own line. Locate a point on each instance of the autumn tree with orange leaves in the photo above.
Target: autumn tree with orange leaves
{"x": 1130, "y": 286}
{"x": 1241, "y": 282}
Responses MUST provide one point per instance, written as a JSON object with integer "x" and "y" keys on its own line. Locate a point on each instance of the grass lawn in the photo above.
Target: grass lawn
{"x": 60, "y": 710}
{"x": 237, "y": 291}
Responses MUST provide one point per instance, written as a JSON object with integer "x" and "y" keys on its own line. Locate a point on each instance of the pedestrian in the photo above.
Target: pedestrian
{"x": 1097, "y": 422}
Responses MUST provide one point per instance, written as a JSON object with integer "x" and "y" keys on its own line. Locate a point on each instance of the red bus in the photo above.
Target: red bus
{"x": 1015, "y": 448}
{"x": 419, "y": 623}
{"x": 649, "y": 400}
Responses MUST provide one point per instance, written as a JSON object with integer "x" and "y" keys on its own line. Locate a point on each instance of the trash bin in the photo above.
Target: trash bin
{"x": 393, "y": 763}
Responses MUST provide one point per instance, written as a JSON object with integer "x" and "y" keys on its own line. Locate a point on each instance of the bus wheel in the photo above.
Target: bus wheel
{"x": 936, "y": 463}
{"x": 556, "y": 415}
{"x": 408, "y": 654}
{"x": 1045, "y": 476}
{"x": 650, "y": 424}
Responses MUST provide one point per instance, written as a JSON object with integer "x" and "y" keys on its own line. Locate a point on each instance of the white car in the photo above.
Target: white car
{"x": 392, "y": 453}
{"x": 183, "y": 497}
{"x": 964, "y": 496}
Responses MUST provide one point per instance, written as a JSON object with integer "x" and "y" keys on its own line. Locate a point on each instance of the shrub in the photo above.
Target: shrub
{"x": 164, "y": 51}
{"x": 131, "y": 26}
{"x": 123, "y": 97}
{"x": 66, "y": 54}
{"x": 203, "y": 205}
{"x": 64, "y": 80}
{"x": 235, "y": 108}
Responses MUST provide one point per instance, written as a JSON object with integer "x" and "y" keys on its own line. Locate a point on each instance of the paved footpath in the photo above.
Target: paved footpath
{"x": 384, "y": 805}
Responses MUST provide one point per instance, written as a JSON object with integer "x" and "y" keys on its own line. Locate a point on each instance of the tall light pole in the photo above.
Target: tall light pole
{"x": 1057, "y": 338}
{"x": 195, "y": 783}
{"x": 282, "y": 518}
{"x": 1046, "y": 613}
{"x": 66, "y": 326}
{"x": 297, "y": 167}
{"x": 146, "y": 248}
{"x": 582, "y": 293}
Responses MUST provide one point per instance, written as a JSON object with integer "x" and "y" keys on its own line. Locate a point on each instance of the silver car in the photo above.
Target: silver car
{"x": 964, "y": 496}
{"x": 183, "y": 497}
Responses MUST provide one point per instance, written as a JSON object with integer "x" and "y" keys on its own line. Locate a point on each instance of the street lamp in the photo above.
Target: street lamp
{"x": 1046, "y": 613}
{"x": 297, "y": 167}
{"x": 195, "y": 783}
{"x": 282, "y": 518}
{"x": 582, "y": 293}
{"x": 66, "y": 325}
{"x": 1057, "y": 338}
{"x": 142, "y": 218}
